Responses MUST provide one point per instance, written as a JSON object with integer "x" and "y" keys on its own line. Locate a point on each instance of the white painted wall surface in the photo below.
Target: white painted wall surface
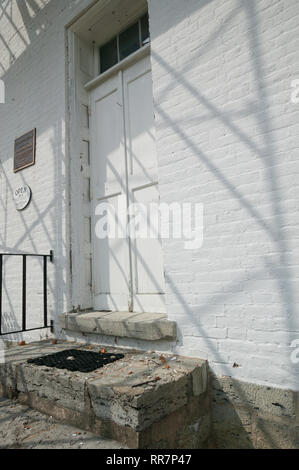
{"x": 32, "y": 65}
{"x": 227, "y": 136}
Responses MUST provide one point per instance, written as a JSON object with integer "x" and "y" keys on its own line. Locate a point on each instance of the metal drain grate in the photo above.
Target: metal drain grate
{"x": 76, "y": 360}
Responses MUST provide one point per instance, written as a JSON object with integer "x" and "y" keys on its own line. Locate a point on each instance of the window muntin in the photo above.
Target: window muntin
{"x": 145, "y": 32}
{"x": 129, "y": 41}
{"x": 125, "y": 44}
{"x": 108, "y": 55}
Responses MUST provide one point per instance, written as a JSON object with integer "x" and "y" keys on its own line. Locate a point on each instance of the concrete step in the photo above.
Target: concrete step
{"x": 146, "y": 326}
{"x": 25, "y": 428}
{"x": 142, "y": 401}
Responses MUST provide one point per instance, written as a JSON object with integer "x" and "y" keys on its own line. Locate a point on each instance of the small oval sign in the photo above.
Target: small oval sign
{"x": 22, "y": 197}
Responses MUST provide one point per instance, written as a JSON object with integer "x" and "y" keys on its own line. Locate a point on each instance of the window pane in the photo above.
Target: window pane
{"x": 108, "y": 55}
{"x": 129, "y": 41}
{"x": 145, "y": 33}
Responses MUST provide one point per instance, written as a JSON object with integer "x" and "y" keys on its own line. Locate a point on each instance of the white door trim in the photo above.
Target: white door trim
{"x": 125, "y": 63}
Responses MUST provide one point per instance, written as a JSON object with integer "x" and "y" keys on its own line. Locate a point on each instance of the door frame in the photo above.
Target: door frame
{"x": 77, "y": 253}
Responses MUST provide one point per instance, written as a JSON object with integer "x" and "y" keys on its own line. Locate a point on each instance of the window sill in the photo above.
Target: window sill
{"x": 144, "y": 326}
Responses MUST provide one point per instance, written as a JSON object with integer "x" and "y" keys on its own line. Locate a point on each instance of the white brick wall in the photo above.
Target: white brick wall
{"x": 32, "y": 65}
{"x": 227, "y": 138}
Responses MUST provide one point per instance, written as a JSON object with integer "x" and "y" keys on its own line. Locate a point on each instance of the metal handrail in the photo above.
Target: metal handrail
{"x": 24, "y": 256}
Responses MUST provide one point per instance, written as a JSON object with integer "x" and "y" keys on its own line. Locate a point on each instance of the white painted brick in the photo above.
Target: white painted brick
{"x": 227, "y": 137}
{"x": 32, "y": 65}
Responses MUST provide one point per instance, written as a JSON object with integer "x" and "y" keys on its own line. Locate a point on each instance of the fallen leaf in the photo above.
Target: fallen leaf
{"x": 167, "y": 367}
{"x": 162, "y": 359}
{"x": 103, "y": 351}
{"x": 90, "y": 348}
{"x": 22, "y": 343}
{"x": 54, "y": 341}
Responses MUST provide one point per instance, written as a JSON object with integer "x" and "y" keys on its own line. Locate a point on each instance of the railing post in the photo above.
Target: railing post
{"x": 24, "y": 293}
{"x": 45, "y": 292}
{"x": 49, "y": 257}
{"x": 1, "y": 277}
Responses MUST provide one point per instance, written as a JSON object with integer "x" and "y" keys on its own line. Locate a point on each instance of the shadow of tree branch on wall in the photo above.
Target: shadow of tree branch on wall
{"x": 275, "y": 263}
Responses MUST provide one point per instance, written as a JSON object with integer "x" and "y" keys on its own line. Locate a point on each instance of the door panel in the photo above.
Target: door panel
{"x": 140, "y": 123}
{"x": 111, "y": 263}
{"x": 149, "y": 277}
{"x": 128, "y": 273}
{"x": 110, "y": 164}
{"x": 147, "y": 265}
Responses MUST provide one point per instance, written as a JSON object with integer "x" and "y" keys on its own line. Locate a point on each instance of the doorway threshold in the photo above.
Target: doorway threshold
{"x": 145, "y": 326}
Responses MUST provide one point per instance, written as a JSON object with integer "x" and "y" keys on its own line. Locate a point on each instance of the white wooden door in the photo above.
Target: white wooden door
{"x": 127, "y": 272}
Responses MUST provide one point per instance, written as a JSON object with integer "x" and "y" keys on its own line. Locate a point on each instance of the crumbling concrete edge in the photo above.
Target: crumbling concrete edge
{"x": 252, "y": 416}
{"x": 186, "y": 427}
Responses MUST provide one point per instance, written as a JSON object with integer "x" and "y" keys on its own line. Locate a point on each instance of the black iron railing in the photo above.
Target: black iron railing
{"x": 45, "y": 259}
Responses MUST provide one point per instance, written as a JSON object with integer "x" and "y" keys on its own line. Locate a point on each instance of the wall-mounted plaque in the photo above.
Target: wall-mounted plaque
{"x": 22, "y": 197}
{"x": 25, "y": 151}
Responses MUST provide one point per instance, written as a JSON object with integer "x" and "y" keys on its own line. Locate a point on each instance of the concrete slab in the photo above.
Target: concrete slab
{"x": 24, "y": 428}
{"x": 143, "y": 389}
{"x": 124, "y": 401}
{"x": 146, "y": 326}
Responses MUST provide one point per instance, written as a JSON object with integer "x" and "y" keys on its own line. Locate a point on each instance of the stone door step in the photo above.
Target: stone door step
{"x": 146, "y": 326}
{"x": 144, "y": 400}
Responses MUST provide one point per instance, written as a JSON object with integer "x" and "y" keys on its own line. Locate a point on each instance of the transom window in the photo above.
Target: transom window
{"x": 125, "y": 43}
